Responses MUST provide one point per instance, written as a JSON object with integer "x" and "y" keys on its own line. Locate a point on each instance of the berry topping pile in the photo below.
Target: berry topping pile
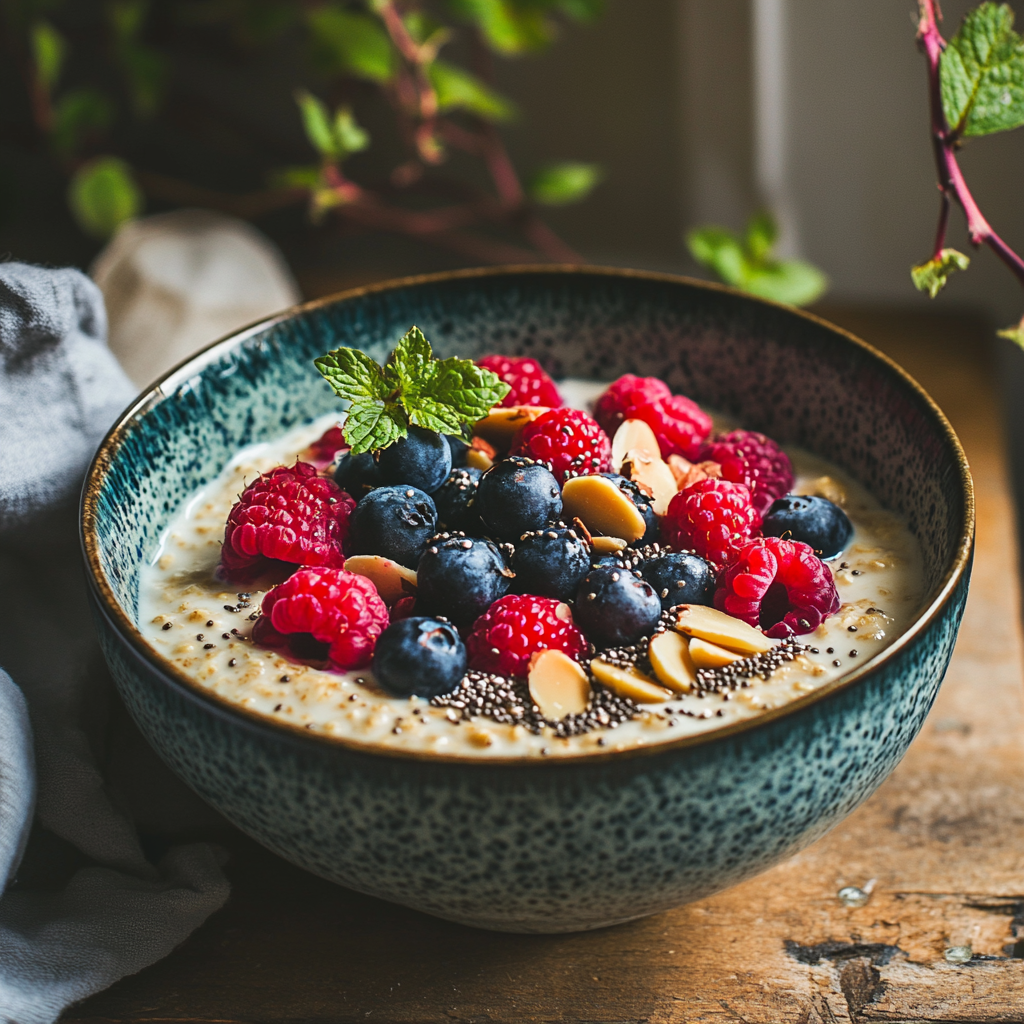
{"x": 550, "y": 567}
{"x": 528, "y": 383}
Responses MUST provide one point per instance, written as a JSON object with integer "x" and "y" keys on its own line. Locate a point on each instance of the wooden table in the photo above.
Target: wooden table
{"x": 942, "y": 844}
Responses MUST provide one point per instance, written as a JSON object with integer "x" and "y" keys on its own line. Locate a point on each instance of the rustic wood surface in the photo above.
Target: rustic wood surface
{"x": 942, "y": 841}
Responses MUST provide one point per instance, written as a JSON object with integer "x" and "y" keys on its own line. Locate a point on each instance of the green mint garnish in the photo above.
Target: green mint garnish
{"x": 411, "y": 388}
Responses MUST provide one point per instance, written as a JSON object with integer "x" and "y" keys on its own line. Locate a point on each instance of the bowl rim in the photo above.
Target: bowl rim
{"x": 168, "y": 383}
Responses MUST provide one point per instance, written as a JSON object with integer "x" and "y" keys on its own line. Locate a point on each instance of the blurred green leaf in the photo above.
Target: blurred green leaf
{"x": 334, "y": 138}
{"x": 103, "y": 195}
{"x": 982, "y": 73}
{"x": 762, "y": 233}
{"x": 351, "y": 43}
{"x": 582, "y": 10}
{"x": 1014, "y": 333}
{"x": 931, "y": 277}
{"x": 457, "y": 89}
{"x": 48, "y": 50}
{"x": 297, "y": 177}
{"x": 748, "y": 263}
{"x": 506, "y": 27}
{"x": 75, "y": 115}
{"x": 563, "y": 183}
{"x": 127, "y": 18}
{"x": 145, "y": 69}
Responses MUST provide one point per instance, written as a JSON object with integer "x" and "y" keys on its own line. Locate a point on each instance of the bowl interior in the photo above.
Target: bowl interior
{"x": 792, "y": 376}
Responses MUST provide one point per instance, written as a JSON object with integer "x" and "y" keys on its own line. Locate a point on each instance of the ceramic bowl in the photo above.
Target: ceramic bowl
{"x": 537, "y": 846}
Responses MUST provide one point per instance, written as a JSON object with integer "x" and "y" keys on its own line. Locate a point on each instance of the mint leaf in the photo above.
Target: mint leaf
{"x": 560, "y": 184}
{"x": 333, "y": 138}
{"x": 459, "y": 90}
{"x": 982, "y": 73}
{"x": 446, "y": 395}
{"x": 931, "y": 277}
{"x": 748, "y": 263}
{"x": 507, "y": 27}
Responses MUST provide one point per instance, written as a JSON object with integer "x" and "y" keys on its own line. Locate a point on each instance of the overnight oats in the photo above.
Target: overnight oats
{"x": 470, "y": 560}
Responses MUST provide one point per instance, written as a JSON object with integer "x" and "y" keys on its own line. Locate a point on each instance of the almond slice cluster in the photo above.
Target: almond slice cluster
{"x": 701, "y": 637}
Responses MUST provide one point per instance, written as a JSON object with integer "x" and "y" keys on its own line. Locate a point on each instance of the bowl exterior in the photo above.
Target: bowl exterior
{"x": 568, "y": 844}
{"x": 555, "y": 847}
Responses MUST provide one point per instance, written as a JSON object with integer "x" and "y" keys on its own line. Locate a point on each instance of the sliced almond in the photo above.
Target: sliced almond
{"x": 478, "y": 459}
{"x": 500, "y": 426}
{"x": 708, "y": 655}
{"x": 629, "y": 683}
{"x": 602, "y": 507}
{"x": 653, "y": 477}
{"x": 633, "y": 436}
{"x": 393, "y": 581}
{"x": 558, "y": 685}
{"x": 698, "y": 620}
{"x": 687, "y": 473}
{"x": 670, "y": 658}
{"x": 607, "y": 545}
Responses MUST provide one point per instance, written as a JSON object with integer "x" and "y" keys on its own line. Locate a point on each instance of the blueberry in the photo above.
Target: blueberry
{"x": 460, "y": 578}
{"x": 452, "y": 499}
{"x": 419, "y": 656}
{"x": 420, "y": 459}
{"x": 644, "y": 504}
{"x": 395, "y": 522}
{"x": 459, "y": 450}
{"x": 517, "y": 495}
{"x": 614, "y": 608}
{"x": 551, "y": 562}
{"x": 680, "y": 578}
{"x": 815, "y": 521}
{"x": 357, "y": 474}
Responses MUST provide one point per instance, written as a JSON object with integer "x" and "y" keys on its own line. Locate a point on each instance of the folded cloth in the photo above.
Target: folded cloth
{"x": 60, "y": 389}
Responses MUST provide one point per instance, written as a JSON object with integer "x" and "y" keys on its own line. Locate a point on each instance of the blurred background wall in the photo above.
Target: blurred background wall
{"x": 699, "y": 110}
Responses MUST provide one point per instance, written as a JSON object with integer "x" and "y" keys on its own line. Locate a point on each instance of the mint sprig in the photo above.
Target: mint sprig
{"x": 411, "y": 388}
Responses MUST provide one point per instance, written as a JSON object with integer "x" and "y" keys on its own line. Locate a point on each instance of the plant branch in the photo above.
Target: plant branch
{"x": 944, "y": 141}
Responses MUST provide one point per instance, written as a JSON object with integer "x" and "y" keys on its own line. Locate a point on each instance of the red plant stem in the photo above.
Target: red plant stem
{"x": 951, "y": 179}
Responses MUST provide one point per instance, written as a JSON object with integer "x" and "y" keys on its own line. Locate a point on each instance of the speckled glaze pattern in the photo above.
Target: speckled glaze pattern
{"x": 538, "y": 846}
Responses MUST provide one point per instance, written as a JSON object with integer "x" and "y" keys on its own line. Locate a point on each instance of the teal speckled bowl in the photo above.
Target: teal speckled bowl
{"x": 539, "y": 846}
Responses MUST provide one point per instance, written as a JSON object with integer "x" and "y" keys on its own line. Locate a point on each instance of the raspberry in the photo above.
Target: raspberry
{"x": 679, "y": 424}
{"x": 316, "y": 607}
{"x": 779, "y": 585}
{"x": 322, "y": 451}
{"x": 750, "y": 458}
{"x": 530, "y": 384}
{"x": 517, "y": 626}
{"x": 713, "y": 517}
{"x": 288, "y": 515}
{"x": 569, "y": 442}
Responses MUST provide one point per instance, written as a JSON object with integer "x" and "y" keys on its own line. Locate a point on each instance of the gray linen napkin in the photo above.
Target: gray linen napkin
{"x": 60, "y": 388}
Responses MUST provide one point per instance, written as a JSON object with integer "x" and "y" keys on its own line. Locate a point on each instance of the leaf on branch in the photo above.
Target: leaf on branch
{"x": 1014, "y": 333}
{"x": 748, "y": 263}
{"x": 333, "y": 138}
{"x": 351, "y": 43}
{"x": 48, "y": 49}
{"x": 982, "y": 73}
{"x": 931, "y": 277}
{"x": 103, "y": 195}
{"x": 76, "y": 114}
{"x": 412, "y": 387}
{"x": 507, "y": 27}
{"x": 459, "y": 90}
{"x": 564, "y": 183}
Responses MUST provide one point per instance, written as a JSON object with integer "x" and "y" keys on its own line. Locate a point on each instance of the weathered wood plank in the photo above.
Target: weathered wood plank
{"x": 943, "y": 839}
